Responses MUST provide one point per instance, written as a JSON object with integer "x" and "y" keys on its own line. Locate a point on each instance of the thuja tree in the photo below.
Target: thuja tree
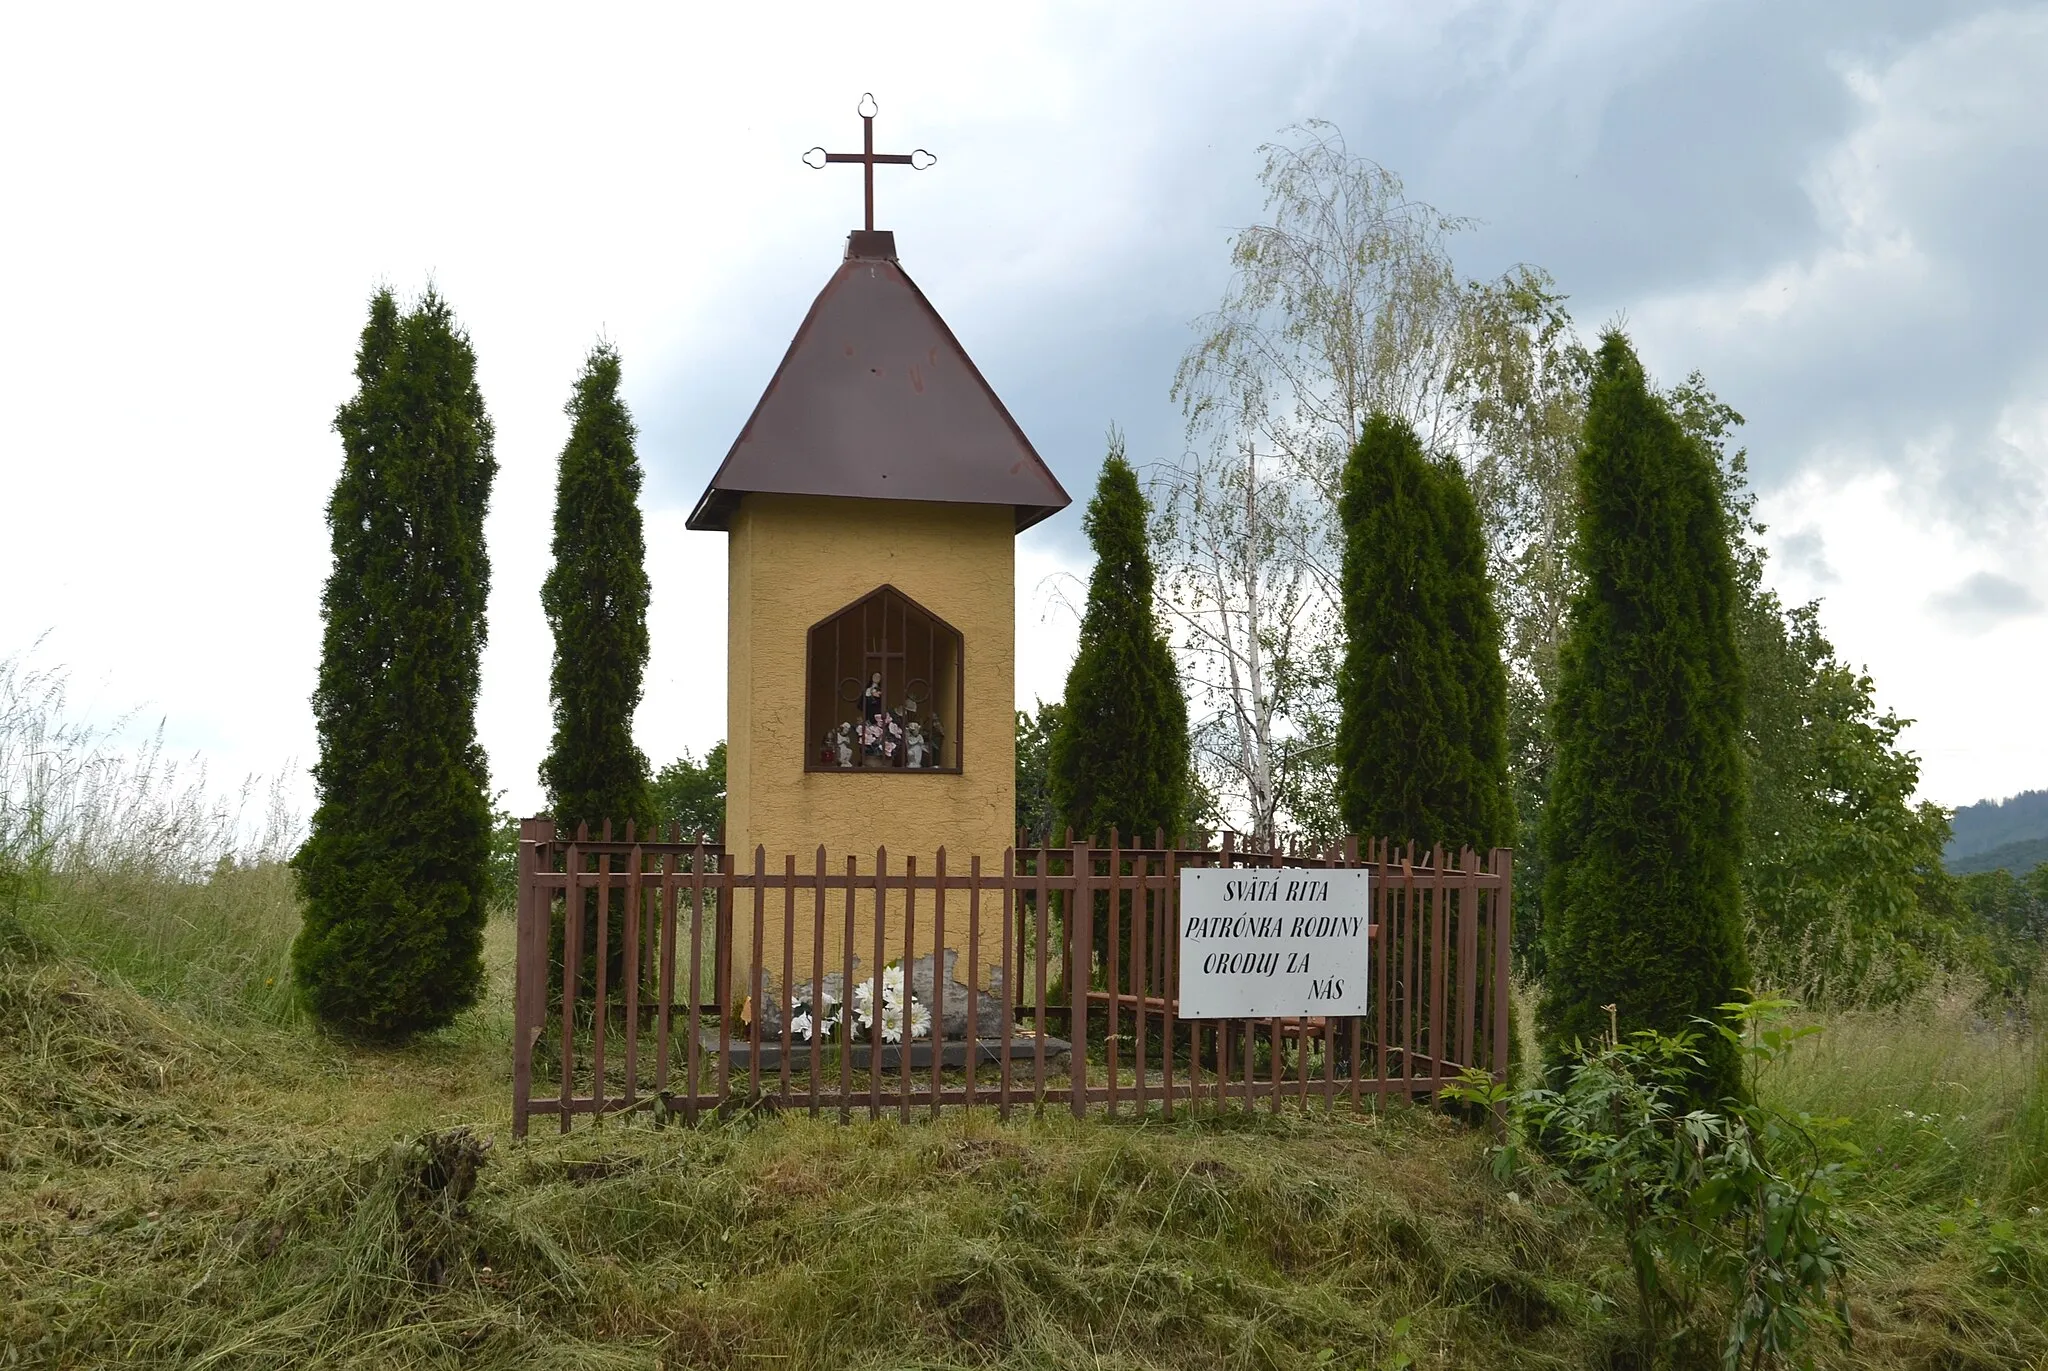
{"x": 1422, "y": 693}
{"x": 395, "y": 873}
{"x": 1119, "y": 757}
{"x": 1642, "y": 901}
{"x": 595, "y": 599}
{"x": 1480, "y": 792}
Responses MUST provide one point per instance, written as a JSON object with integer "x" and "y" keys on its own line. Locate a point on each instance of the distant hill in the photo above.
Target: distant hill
{"x": 2019, "y": 858}
{"x": 1996, "y": 824}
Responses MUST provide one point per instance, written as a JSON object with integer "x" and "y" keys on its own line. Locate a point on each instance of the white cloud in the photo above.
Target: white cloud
{"x": 1985, "y": 599}
{"x": 200, "y": 201}
{"x": 1970, "y": 679}
{"x": 1938, "y": 133}
{"x": 1914, "y": 501}
{"x": 1052, "y": 588}
{"x": 200, "y": 204}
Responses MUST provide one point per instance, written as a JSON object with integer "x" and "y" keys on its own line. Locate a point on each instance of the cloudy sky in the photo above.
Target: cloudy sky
{"x": 1835, "y": 210}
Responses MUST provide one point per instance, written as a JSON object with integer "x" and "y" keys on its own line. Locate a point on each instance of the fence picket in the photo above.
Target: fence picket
{"x": 973, "y": 974}
{"x": 939, "y": 976}
{"x": 875, "y": 979}
{"x": 818, "y": 980}
{"x": 630, "y": 934}
{"x": 1439, "y": 929}
{"x": 903, "y": 1038}
{"x": 693, "y": 1044}
{"x": 846, "y": 998}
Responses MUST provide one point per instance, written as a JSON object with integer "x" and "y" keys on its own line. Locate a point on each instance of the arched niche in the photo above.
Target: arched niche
{"x": 918, "y": 657}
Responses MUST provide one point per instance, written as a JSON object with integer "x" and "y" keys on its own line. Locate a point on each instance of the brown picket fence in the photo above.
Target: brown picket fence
{"x": 664, "y": 1020}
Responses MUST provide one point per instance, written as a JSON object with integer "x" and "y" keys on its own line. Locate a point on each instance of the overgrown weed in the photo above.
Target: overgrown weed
{"x": 114, "y": 854}
{"x": 1946, "y": 1103}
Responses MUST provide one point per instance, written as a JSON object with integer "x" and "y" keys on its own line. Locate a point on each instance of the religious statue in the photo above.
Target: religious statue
{"x": 935, "y": 742}
{"x": 879, "y": 730}
{"x": 828, "y": 748}
{"x": 914, "y": 753}
{"x": 842, "y": 745}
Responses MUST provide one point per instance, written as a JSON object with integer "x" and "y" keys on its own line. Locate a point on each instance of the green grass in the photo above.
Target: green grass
{"x": 1948, "y": 1105}
{"x": 219, "y": 945}
{"x": 214, "y": 1201}
{"x": 183, "y": 1188}
{"x": 191, "y": 1175}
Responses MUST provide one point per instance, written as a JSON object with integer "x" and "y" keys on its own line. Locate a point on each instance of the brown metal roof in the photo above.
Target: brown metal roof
{"x": 876, "y": 400}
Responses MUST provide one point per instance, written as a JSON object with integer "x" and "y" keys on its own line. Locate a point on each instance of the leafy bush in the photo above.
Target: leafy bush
{"x": 1737, "y": 1201}
{"x": 1119, "y": 758}
{"x": 2009, "y": 912}
{"x": 691, "y": 794}
{"x": 595, "y": 598}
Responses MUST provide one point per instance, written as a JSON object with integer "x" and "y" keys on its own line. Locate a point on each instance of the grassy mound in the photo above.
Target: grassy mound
{"x": 177, "y": 1198}
{"x": 177, "y": 1195}
{"x": 190, "y": 1176}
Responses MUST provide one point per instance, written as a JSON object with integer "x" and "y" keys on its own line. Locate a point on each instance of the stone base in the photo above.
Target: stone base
{"x": 952, "y": 1055}
{"x": 926, "y": 980}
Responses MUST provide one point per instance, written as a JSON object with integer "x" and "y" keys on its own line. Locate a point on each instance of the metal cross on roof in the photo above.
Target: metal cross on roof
{"x": 817, "y": 158}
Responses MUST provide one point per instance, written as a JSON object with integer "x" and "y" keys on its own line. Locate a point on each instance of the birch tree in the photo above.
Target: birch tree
{"x": 1242, "y": 603}
{"x": 1520, "y": 385}
{"x": 1343, "y": 302}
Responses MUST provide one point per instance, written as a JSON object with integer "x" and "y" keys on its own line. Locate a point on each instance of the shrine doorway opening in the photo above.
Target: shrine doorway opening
{"x": 884, "y": 688}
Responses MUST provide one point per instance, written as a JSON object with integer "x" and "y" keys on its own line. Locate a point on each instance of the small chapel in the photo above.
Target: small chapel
{"x": 870, "y": 506}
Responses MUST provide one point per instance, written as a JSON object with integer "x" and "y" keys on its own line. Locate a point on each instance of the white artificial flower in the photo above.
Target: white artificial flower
{"x": 800, "y": 1025}
{"x": 887, "y": 1019}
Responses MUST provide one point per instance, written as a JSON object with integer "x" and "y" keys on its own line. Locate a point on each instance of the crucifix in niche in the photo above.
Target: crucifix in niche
{"x": 883, "y": 674}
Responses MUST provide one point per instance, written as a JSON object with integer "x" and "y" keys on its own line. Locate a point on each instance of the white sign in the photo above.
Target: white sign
{"x": 1273, "y": 942}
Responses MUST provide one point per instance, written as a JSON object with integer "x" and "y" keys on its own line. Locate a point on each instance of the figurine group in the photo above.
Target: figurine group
{"x": 882, "y": 733}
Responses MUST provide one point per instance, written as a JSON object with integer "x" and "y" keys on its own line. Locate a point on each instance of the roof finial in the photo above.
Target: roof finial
{"x": 817, "y": 158}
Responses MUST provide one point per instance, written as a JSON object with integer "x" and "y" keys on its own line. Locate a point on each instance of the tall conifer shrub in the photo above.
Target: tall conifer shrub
{"x": 1119, "y": 756}
{"x": 1642, "y": 902}
{"x": 395, "y": 873}
{"x": 1482, "y": 790}
{"x": 595, "y": 599}
{"x": 1422, "y": 693}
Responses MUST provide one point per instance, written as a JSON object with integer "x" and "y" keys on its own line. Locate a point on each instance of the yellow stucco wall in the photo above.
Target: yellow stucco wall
{"x": 794, "y": 560}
